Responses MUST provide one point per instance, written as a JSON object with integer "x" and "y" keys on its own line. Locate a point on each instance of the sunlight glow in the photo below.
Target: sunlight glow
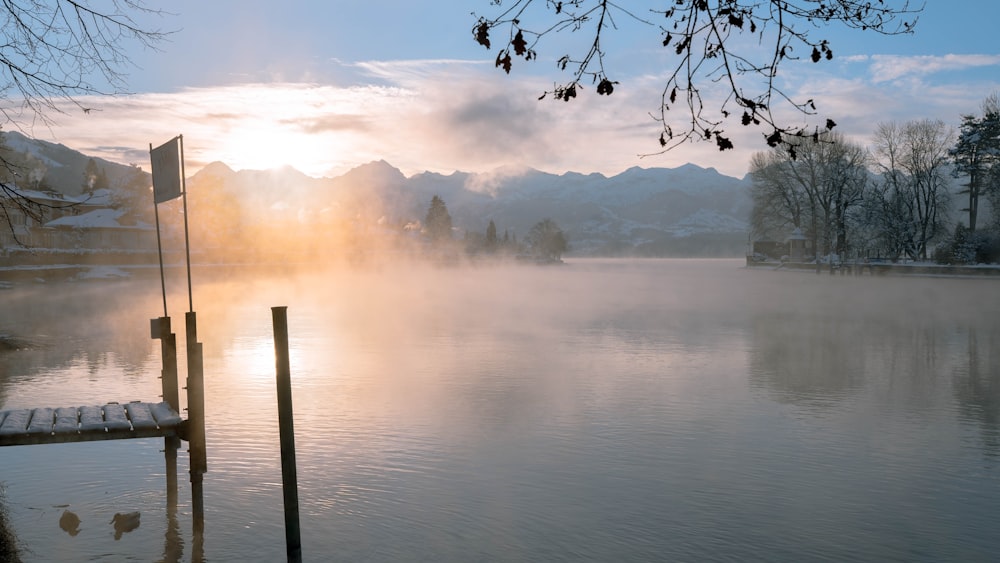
{"x": 252, "y": 357}
{"x": 301, "y": 125}
{"x": 261, "y": 145}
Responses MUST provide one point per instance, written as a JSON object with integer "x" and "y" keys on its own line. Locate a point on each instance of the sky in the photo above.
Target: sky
{"x": 325, "y": 86}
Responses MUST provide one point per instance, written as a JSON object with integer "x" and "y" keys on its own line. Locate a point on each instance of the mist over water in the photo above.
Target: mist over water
{"x": 602, "y": 410}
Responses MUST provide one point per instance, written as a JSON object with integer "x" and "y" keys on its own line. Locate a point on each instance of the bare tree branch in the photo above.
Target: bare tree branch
{"x": 701, "y": 35}
{"x": 57, "y": 51}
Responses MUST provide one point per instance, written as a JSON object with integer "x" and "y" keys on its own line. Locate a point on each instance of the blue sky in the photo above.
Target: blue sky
{"x": 326, "y": 86}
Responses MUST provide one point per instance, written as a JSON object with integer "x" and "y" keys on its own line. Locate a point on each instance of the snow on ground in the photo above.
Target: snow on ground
{"x": 102, "y": 273}
{"x": 105, "y": 218}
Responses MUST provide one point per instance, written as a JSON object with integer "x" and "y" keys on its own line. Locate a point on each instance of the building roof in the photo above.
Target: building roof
{"x": 104, "y": 218}
{"x": 100, "y": 198}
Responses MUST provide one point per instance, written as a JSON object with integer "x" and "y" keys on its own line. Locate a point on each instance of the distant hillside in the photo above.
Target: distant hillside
{"x": 63, "y": 166}
{"x": 684, "y": 211}
{"x": 647, "y": 212}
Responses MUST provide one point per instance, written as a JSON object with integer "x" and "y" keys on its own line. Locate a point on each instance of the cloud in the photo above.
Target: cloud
{"x": 438, "y": 116}
{"x": 489, "y": 182}
{"x": 857, "y": 93}
{"x": 330, "y": 123}
{"x": 447, "y": 115}
{"x": 414, "y": 73}
{"x": 885, "y": 68}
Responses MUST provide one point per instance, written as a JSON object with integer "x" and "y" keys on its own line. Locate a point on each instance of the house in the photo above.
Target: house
{"x": 50, "y": 227}
{"x": 797, "y": 245}
{"x": 102, "y": 229}
{"x": 22, "y": 215}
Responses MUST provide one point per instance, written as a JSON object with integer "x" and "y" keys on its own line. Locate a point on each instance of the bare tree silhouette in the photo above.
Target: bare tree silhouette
{"x": 58, "y": 51}
{"x": 705, "y": 38}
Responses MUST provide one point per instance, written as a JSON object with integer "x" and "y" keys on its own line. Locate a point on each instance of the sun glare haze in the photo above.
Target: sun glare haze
{"x": 517, "y": 329}
{"x": 436, "y": 101}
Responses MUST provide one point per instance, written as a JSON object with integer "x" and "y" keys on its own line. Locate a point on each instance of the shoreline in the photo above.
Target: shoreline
{"x": 9, "y": 548}
{"x": 11, "y": 275}
{"x": 926, "y": 269}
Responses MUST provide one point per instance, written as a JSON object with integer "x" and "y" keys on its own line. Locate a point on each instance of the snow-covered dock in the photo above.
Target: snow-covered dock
{"x": 112, "y": 421}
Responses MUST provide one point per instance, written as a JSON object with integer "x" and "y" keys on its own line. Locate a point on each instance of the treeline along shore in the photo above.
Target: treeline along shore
{"x": 875, "y": 268}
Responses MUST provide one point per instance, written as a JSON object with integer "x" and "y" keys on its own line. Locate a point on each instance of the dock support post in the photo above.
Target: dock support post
{"x": 289, "y": 479}
{"x": 196, "y": 398}
{"x": 173, "y": 545}
{"x": 196, "y": 429}
{"x": 160, "y": 330}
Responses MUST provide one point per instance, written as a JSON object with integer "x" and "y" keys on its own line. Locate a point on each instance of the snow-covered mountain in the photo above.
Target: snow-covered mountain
{"x": 684, "y": 211}
{"x": 62, "y": 167}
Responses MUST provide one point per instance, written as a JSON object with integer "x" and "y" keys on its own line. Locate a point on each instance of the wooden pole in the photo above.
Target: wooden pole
{"x": 173, "y": 546}
{"x": 289, "y": 479}
{"x": 160, "y": 330}
{"x": 197, "y": 451}
{"x": 196, "y": 399}
{"x": 198, "y": 521}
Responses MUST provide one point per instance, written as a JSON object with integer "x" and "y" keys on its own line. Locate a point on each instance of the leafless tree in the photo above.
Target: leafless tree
{"x": 778, "y": 206}
{"x": 737, "y": 43}
{"x": 58, "y": 51}
{"x": 819, "y": 189}
{"x": 912, "y": 196}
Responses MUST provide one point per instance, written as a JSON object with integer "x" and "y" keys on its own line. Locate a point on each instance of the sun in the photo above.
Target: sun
{"x": 255, "y": 127}
{"x": 256, "y": 144}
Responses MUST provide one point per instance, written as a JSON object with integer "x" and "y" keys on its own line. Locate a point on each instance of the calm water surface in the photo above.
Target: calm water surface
{"x": 606, "y": 410}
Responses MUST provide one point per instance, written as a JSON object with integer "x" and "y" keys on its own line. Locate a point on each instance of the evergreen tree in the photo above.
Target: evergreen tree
{"x": 976, "y": 155}
{"x": 132, "y": 193}
{"x": 438, "y": 221}
{"x": 90, "y": 174}
{"x": 546, "y": 240}
{"x": 491, "y": 236}
{"x": 101, "y": 182}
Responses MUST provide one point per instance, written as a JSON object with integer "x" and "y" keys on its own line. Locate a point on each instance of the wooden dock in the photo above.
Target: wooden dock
{"x": 121, "y": 421}
{"x": 112, "y": 421}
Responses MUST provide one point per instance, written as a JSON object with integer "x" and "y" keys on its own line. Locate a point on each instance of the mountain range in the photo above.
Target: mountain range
{"x": 684, "y": 211}
{"x": 62, "y": 167}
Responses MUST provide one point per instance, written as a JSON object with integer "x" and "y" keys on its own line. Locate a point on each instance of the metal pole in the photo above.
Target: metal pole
{"x": 187, "y": 241}
{"x": 159, "y": 245}
{"x": 289, "y": 479}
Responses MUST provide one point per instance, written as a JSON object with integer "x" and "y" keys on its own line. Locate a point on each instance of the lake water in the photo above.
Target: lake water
{"x": 605, "y": 410}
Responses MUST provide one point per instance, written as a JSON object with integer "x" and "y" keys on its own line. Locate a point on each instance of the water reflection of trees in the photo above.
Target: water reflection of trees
{"x": 976, "y": 385}
{"x": 818, "y": 360}
{"x": 87, "y": 324}
{"x": 811, "y": 361}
